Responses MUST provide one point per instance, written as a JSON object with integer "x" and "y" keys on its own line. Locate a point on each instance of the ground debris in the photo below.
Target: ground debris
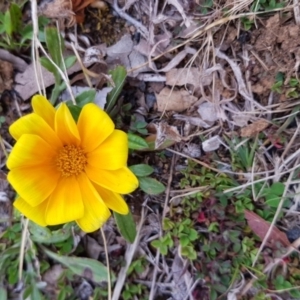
{"x": 254, "y": 128}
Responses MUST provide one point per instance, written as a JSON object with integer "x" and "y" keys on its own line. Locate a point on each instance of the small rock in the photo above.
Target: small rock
{"x": 293, "y": 233}
{"x": 84, "y": 291}
{"x": 211, "y": 144}
{"x": 207, "y": 112}
{"x": 52, "y": 275}
{"x": 192, "y": 150}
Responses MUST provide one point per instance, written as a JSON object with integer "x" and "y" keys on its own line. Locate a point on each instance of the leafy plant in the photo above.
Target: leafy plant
{"x": 133, "y": 290}
{"x": 266, "y": 5}
{"x": 14, "y": 34}
{"x": 279, "y": 79}
{"x": 147, "y": 184}
{"x": 164, "y": 243}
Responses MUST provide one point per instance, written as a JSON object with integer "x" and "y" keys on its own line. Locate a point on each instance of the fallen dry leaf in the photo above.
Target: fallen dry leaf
{"x": 260, "y": 227}
{"x": 163, "y": 136}
{"x": 183, "y": 76}
{"x": 25, "y": 83}
{"x": 6, "y": 75}
{"x": 72, "y": 10}
{"x": 122, "y": 52}
{"x": 174, "y": 100}
{"x": 57, "y": 9}
{"x": 78, "y": 7}
{"x": 254, "y": 128}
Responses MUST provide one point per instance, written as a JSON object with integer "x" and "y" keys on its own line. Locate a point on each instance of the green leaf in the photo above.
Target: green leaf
{"x": 12, "y": 19}
{"x": 184, "y": 240}
{"x": 277, "y": 188}
{"x": 141, "y": 170}
{"x": 136, "y": 142}
{"x": 273, "y": 200}
{"x": 126, "y": 226}
{"x": 1, "y": 17}
{"x": 8, "y": 23}
{"x": 55, "y": 45}
{"x": 2, "y": 28}
{"x": 47, "y": 64}
{"x": 70, "y": 61}
{"x": 75, "y": 111}
{"x": 118, "y": 76}
{"x": 295, "y": 294}
{"x": 85, "y": 267}
{"x": 85, "y": 97}
{"x": 193, "y": 235}
{"x": 45, "y": 236}
{"x": 26, "y": 33}
{"x": 189, "y": 252}
{"x": 151, "y": 186}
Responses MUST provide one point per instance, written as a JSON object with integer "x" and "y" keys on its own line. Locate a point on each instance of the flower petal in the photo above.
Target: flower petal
{"x": 113, "y": 200}
{"x": 34, "y": 124}
{"x": 35, "y": 183}
{"x": 43, "y": 108}
{"x": 65, "y": 203}
{"x": 96, "y": 212}
{"x": 30, "y": 150}
{"x": 65, "y": 126}
{"x": 121, "y": 181}
{"x": 112, "y": 154}
{"x": 35, "y": 214}
{"x": 94, "y": 126}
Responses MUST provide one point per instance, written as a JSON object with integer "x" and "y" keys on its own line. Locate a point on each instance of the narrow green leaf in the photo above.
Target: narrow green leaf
{"x": 45, "y": 236}
{"x": 16, "y": 17}
{"x": 26, "y": 33}
{"x": 2, "y": 28}
{"x": 8, "y": 23}
{"x": 126, "y": 226}
{"x": 85, "y": 267}
{"x": 47, "y": 64}
{"x": 75, "y": 111}
{"x": 141, "y": 170}
{"x": 118, "y": 76}
{"x": 151, "y": 186}
{"x": 136, "y": 142}
{"x": 85, "y": 97}
{"x": 55, "y": 44}
{"x": 70, "y": 61}
{"x": 1, "y": 17}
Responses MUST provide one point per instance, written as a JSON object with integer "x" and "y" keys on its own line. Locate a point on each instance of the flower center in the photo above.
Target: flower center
{"x": 71, "y": 160}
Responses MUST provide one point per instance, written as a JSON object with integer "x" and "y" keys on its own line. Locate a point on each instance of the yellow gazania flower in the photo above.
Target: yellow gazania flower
{"x": 63, "y": 171}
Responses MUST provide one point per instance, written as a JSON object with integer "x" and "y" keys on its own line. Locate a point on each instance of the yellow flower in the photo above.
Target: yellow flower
{"x": 63, "y": 171}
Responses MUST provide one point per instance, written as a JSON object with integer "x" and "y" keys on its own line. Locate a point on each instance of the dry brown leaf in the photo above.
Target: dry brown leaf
{"x": 6, "y": 75}
{"x": 174, "y": 100}
{"x": 166, "y": 132}
{"x": 57, "y": 9}
{"x": 255, "y": 128}
{"x": 162, "y": 135}
{"x": 25, "y": 83}
{"x": 73, "y": 10}
{"x": 183, "y": 76}
{"x": 78, "y": 7}
{"x": 260, "y": 227}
